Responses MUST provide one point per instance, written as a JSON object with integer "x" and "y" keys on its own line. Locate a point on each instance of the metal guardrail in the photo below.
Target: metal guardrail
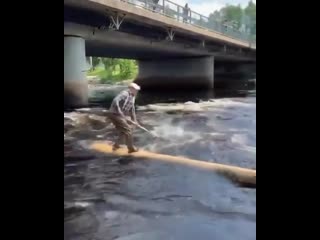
{"x": 187, "y": 16}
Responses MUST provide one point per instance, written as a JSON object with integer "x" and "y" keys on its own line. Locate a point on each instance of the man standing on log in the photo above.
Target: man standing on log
{"x": 121, "y": 108}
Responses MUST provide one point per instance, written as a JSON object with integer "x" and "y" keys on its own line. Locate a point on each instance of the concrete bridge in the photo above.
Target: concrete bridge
{"x": 175, "y": 47}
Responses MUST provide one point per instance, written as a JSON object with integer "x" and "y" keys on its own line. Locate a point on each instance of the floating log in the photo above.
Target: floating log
{"x": 242, "y": 176}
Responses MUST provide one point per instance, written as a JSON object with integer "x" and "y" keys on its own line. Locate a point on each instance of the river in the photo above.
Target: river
{"x": 117, "y": 198}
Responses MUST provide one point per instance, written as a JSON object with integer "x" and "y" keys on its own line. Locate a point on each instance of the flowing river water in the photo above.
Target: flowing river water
{"x": 121, "y": 198}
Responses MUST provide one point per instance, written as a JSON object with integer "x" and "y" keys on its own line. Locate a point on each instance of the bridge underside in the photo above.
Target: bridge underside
{"x": 139, "y": 40}
{"x": 116, "y": 44}
{"x": 183, "y": 73}
{"x": 184, "y": 62}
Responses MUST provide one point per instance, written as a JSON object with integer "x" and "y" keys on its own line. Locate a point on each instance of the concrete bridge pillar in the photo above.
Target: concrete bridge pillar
{"x": 182, "y": 73}
{"x": 75, "y": 82}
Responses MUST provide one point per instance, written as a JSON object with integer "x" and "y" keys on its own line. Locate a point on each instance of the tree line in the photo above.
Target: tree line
{"x": 113, "y": 69}
{"x": 242, "y": 19}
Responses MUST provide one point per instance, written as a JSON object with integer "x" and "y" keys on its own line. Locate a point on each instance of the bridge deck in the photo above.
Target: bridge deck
{"x": 154, "y": 19}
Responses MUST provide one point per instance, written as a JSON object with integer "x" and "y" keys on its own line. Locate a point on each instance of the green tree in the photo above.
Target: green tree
{"x": 251, "y": 11}
{"x": 127, "y": 68}
{"x": 95, "y": 62}
{"x": 233, "y": 15}
{"x": 215, "y": 20}
{"x": 235, "y": 18}
{"x": 110, "y": 63}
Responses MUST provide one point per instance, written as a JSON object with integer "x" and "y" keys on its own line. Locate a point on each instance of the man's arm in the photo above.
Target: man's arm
{"x": 117, "y": 99}
{"x": 133, "y": 114}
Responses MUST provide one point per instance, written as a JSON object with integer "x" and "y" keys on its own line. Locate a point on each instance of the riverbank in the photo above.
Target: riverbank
{"x": 112, "y": 71}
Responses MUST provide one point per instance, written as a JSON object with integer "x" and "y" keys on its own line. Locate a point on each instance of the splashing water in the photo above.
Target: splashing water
{"x": 127, "y": 199}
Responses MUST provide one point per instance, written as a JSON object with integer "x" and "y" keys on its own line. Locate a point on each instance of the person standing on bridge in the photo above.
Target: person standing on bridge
{"x": 121, "y": 108}
{"x": 186, "y": 11}
{"x": 155, "y": 3}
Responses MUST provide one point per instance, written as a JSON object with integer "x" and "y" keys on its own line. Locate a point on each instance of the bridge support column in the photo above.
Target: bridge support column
{"x": 182, "y": 73}
{"x": 75, "y": 82}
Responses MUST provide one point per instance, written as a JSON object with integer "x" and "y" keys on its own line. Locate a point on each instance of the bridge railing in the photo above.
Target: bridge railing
{"x": 187, "y": 16}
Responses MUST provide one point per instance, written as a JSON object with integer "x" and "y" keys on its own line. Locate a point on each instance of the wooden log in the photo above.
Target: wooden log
{"x": 242, "y": 176}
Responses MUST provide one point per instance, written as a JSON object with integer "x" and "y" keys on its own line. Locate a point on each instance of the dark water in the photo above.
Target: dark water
{"x": 195, "y": 96}
{"x": 109, "y": 197}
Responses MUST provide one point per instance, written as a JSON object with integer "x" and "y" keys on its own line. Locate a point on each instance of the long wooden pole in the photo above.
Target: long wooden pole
{"x": 242, "y": 176}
